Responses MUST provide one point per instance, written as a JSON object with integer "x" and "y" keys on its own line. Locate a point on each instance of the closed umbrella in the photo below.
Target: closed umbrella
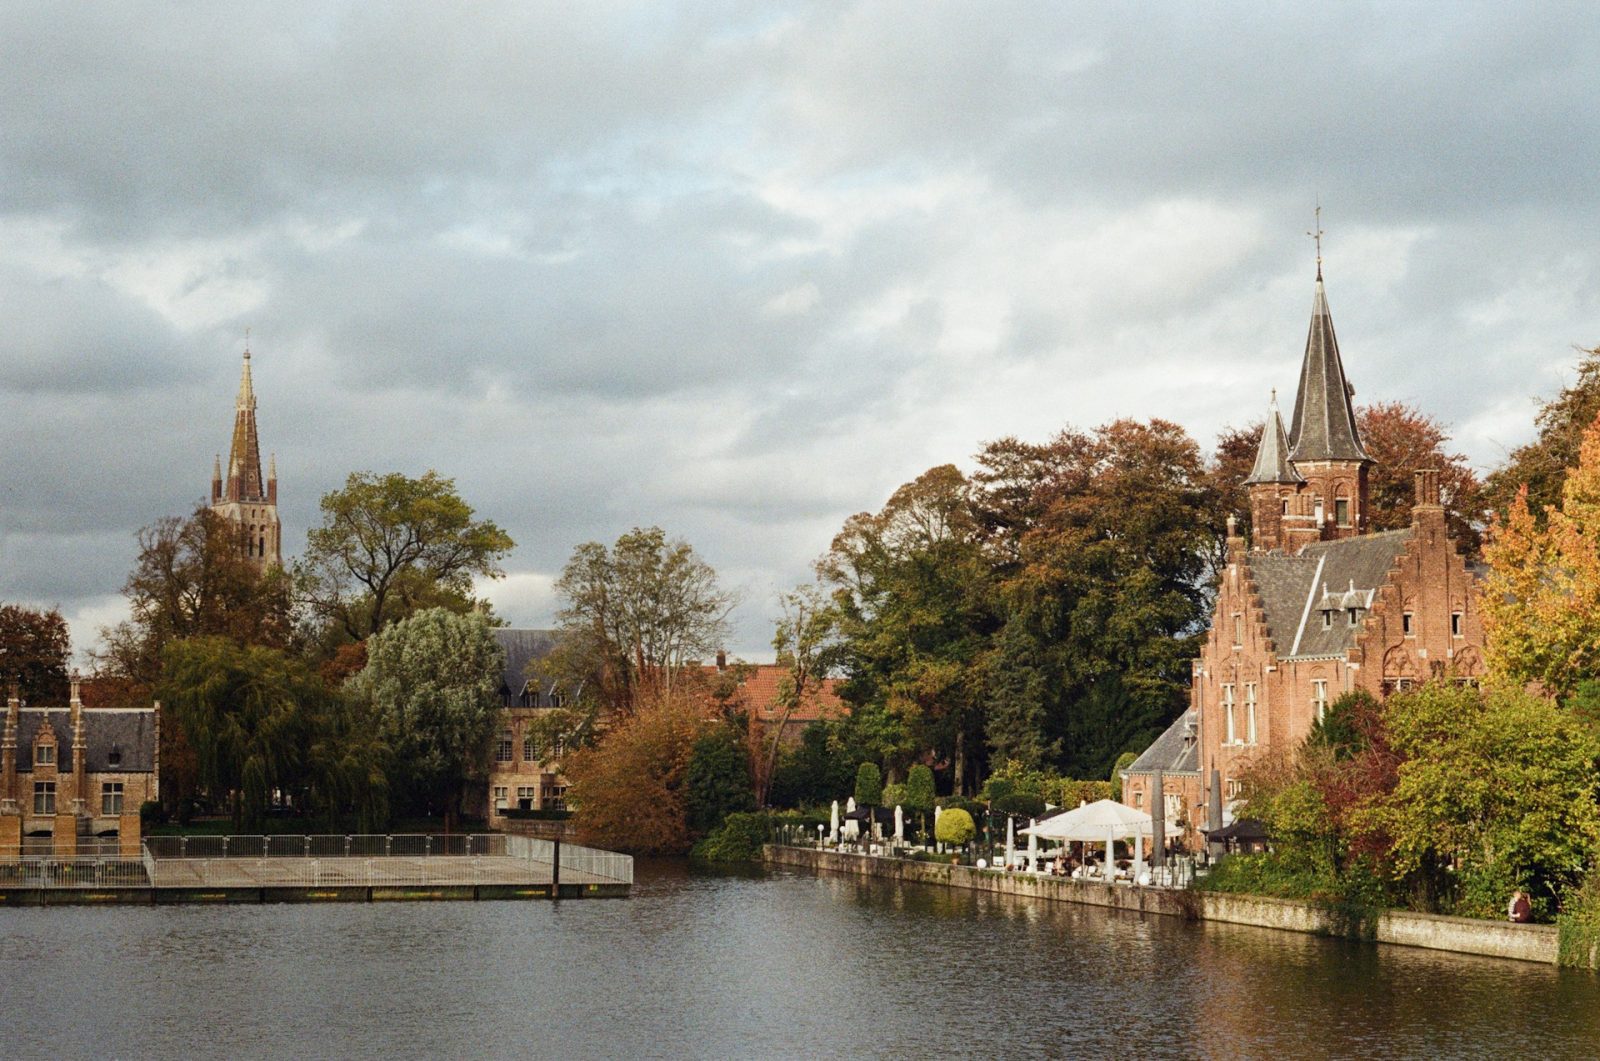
{"x": 1011, "y": 842}
{"x": 1033, "y": 846}
{"x": 899, "y": 824}
{"x": 833, "y": 824}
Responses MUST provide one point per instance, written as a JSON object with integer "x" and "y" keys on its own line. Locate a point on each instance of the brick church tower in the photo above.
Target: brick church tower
{"x": 244, "y": 498}
{"x": 1309, "y": 484}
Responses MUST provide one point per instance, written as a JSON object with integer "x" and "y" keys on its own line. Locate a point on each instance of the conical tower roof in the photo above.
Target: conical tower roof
{"x": 1272, "y": 456}
{"x": 1324, "y": 426}
{"x": 244, "y": 454}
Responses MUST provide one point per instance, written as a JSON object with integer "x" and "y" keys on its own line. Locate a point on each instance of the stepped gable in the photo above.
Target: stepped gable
{"x": 1295, "y": 589}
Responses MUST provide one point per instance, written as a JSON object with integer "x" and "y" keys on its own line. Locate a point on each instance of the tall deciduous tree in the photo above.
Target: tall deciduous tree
{"x": 432, "y": 685}
{"x": 912, "y": 591}
{"x": 34, "y": 647}
{"x": 806, "y": 641}
{"x": 628, "y": 791}
{"x": 390, "y": 546}
{"x": 193, "y": 578}
{"x": 1102, "y": 540}
{"x": 1542, "y": 464}
{"x": 1541, "y": 604}
{"x": 635, "y": 615}
{"x": 1402, "y": 440}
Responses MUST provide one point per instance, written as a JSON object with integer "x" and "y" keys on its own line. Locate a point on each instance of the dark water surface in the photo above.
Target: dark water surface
{"x": 782, "y": 965}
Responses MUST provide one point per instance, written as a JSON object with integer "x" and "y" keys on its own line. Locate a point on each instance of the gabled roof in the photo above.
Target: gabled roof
{"x": 1272, "y": 456}
{"x": 1293, "y": 590}
{"x": 130, "y": 733}
{"x": 522, "y": 647}
{"x": 1324, "y": 426}
{"x": 1174, "y": 752}
{"x": 759, "y": 692}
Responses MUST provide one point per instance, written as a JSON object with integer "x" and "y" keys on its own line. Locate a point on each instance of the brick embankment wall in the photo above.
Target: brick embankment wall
{"x": 1535, "y": 943}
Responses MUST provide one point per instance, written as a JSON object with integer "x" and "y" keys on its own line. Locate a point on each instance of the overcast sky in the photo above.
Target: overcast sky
{"x": 740, "y": 270}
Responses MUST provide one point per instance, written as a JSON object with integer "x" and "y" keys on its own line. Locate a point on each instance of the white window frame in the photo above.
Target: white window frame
{"x": 111, "y": 798}
{"x": 1227, "y": 713}
{"x": 505, "y": 748}
{"x": 1249, "y": 712}
{"x": 1319, "y": 697}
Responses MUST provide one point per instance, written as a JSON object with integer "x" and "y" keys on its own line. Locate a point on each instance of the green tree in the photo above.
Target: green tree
{"x": 1100, "y": 541}
{"x": 1495, "y": 791}
{"x": 249, "y": 714}
{"x": 919, "y": 789}
{"x": 1402, "y": 440}
{"x": 815, "y": 771}
{"x": 869, "y": 785}
{"x": 193, "y": 578}
{"x": 1125, "y": 760}
{"x": 431, "y": 687}
{"x": 718, "y": 779}
{"x": 1542, "y": 464}
{"x": 34, "y": 648}
{"x": 390, "y": 546}
{"x": 914, "y": 603}
{"x": 635, "y": 615}
{"x": 807, "y": 645}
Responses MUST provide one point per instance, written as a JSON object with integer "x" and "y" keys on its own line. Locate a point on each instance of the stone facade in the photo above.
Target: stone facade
{"x": 524, "y": 761}
{"x": 71, "y": 773}
{"x": 244, "y": 498}
{"x": 1314, "y": 607}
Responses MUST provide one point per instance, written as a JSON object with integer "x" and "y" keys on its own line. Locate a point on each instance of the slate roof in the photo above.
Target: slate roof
{"x": 522, "y": 647}
{"x": 1272, "y": 456}
{"x": 1287, "y": 584}
{"x": 1174, "y": 752}
{"x": 1324, "y": 426}
{"x": 131, "y": 732}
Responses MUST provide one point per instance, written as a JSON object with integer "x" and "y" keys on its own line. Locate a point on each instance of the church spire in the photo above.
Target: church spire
{"x": 244, "y": 454}
{"x": 1272, "y": 455}
{"x": 1324, "y": 426}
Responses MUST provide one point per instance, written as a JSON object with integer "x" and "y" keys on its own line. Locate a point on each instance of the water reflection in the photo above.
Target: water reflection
{"x": 745, "y": 964}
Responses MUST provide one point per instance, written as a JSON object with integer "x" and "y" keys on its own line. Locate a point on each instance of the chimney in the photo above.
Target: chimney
{"x": 722, "y": 660}
{"x": 1427, "y": 486}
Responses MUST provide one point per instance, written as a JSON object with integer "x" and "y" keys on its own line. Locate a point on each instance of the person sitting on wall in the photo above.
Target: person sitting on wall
{"x": 1520, "y": 910}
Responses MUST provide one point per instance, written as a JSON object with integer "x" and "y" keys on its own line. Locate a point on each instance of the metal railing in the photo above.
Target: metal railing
{"x": 355, "y": 845}
{"x": 576, "y": 860}
{"x": 33, "y": 872}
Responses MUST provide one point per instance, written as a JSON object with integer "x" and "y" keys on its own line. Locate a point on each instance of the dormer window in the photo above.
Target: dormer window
{"x": 1327, "y": 618}
{"x": 44, "y": 755}
{"x": 1352, "y": 613}
{"x": 114, "y": 756}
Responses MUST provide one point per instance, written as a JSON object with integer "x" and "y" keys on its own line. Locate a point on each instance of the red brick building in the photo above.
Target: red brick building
{"x": 1313, "y": 606}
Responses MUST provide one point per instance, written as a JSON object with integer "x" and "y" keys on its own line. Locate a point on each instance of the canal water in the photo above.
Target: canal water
{"x": 735, "y": 965}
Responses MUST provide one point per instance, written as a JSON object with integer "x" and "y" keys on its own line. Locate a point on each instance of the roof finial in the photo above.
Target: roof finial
{"x": 1317, "y": 235}
{"x": 247, "y": 342}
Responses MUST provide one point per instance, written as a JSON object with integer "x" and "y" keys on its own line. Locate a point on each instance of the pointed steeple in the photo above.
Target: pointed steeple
{"x": 244, "y": 455}
{"x": 1324, "y": 426}
{"x": 1272, "y": 456}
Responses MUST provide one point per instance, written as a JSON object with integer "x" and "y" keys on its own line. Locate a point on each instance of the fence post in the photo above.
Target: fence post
{"x": 183, "y": 847}
{"x": 387, "y": 840}
{"x": 555, "y": 870}
{"x": 347, "y": 845}
{"x": 427, "y": 845}
{"x": 224, "y": 847}
{"x": 308, "y": 847}
{"x": 266, "y": 846}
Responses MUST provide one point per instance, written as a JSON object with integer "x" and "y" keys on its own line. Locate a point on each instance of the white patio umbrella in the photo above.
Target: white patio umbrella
{"x": 899, "y": 824}
{"x": 1104, "y": 819}
{"x": 833, "y": 824}
{"x": 1011, "y": 842}
{"x": 1033, "y": 846}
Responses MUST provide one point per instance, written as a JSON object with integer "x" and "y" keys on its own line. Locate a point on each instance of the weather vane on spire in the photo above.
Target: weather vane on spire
{"x": 1317, "y": 235}
{"x": 247, "y": 338}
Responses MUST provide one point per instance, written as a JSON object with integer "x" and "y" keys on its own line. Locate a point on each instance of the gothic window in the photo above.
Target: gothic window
{"x": 1319, "y": 697}
{"x": 1238, "y": 630}
{"x": 1227, "y": 714}
{"x": 1250, "y": 712}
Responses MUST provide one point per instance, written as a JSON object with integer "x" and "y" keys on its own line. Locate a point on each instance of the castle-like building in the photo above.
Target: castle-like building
{"x": 1313, "y": 606}
{"x": 244, "y": 498}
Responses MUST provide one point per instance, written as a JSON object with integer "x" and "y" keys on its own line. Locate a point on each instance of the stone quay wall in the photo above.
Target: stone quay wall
{"x": 1461, "y": 935}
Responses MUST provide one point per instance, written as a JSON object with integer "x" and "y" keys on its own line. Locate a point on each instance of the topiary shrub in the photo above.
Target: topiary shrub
{"x": 919, "y": 789}
{"x": 894, "y": 795}
{"x": 869, "y": 786}
{"x": 955, "y": 827}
